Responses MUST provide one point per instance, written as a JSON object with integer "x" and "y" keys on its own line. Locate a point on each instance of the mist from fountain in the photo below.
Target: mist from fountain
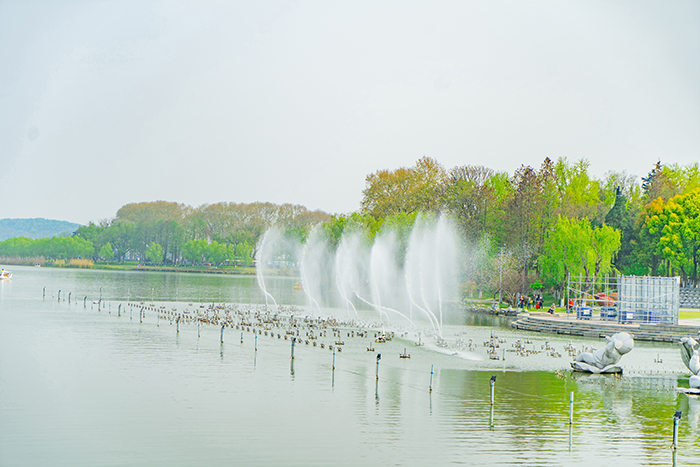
{"x": 406, "y": 280}
{"x": 262, "y": 255}
{"x": 314, "y": 259}
{"x": 342, "y": 271}
{"x": 414, "y": 273}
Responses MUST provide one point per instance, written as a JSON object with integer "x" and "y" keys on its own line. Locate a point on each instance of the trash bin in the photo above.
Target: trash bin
{"x": 583, "y": 312}
{"x": 627, "y": 316}
{"x": 608, "y": 313}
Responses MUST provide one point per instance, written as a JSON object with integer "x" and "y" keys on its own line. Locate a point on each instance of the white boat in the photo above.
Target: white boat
{"x": 5, "y": 275}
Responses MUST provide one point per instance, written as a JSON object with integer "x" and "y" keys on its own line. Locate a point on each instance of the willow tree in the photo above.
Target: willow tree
{"x": 575, "y": 247}
{"x": 579, "y": 193}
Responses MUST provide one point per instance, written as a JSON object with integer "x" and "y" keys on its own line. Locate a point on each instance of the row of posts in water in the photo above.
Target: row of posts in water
{"x": 676, "y": 417}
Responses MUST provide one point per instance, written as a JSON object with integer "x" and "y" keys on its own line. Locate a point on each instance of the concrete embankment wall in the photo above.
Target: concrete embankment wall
{"x": 572, "y": 327}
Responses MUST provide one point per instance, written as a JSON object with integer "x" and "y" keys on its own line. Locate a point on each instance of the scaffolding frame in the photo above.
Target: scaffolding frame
{"x": 626, "y": 299}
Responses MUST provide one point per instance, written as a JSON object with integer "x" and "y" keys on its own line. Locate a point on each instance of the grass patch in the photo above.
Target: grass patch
{"x": 135, "y": 266}
{"x": 689, "y": 314}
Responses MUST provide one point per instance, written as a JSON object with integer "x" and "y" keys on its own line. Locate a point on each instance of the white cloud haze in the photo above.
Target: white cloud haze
{"x": 103, "y": 103}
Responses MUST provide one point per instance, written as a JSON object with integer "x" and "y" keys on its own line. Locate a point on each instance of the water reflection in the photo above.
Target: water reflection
{"x": 72, "y": 377}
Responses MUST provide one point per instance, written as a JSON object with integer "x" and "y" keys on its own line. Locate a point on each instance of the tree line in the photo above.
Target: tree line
{"x": 532, "y": 228}
{"x": 171, "y": 233}
{"x": 539, "y": 225}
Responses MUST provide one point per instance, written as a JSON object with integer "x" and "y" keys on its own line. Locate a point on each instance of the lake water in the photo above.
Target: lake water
{"x": 82, "y": 387}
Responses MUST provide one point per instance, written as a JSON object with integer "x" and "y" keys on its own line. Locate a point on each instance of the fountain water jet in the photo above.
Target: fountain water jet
{"x": 260, "y": 260}
{"x": 398, "y": 271}
{"x": 312, "y": 256}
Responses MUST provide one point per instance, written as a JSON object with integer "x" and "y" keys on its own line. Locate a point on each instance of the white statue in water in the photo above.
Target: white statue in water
{"x": 605, "y": 360}
{"x": 689, "y": 354}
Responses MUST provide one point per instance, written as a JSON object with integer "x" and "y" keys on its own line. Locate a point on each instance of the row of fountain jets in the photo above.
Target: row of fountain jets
{"x": 410, "y": 279}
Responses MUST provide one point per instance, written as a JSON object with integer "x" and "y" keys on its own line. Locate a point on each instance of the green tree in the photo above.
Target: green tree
{"x": 575, "y": 247}
{"x": 154, "y": 252}
{"x": 660, "y": 183}
{"x": 621, "y": 217}
{"x": 521, "y": 223}
{"x": 471, "y": 199}
{"x": 217, "y": 252}
{"x": 579, "y": 193}
{"x": 106, "y": 252}
{"x": 195, "y": 251}
{"x": 405, "y": 190}
{"x": 244, "y": 253}
{"x": 153, "y": 211}
{"x": 650, "y": 230}
{"x": 679, "y": 224}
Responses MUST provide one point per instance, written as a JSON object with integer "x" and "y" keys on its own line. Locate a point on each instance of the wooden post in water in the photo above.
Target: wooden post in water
{"x": 69, "y": 296}
{"x": 379, "y": 357}
{"x": 222, "y": 333}
{"x": 493, "y": 383}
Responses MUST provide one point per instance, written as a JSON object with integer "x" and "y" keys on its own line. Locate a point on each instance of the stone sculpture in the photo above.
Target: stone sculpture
{"x": 689, "y": 354}
{"x": 605, "y": 360}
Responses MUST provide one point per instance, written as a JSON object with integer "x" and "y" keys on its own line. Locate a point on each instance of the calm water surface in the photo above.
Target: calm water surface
{"x": 81, "y": 387}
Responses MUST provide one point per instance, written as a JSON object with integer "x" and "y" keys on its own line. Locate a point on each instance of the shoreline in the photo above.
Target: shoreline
{"x": 239, "y": 271}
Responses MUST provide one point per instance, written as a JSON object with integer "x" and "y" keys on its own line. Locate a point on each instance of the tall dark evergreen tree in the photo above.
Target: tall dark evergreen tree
{"x": 622, "y": 218}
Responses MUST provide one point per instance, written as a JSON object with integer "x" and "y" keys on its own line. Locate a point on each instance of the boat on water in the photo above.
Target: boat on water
{"x": 5, "y": 275}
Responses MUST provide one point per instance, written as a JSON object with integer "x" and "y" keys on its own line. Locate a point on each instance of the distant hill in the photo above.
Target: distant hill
{"x": 35, "y": 228}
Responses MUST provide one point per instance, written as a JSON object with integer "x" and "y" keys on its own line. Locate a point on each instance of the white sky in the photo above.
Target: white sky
{"x": 104, "y": 103}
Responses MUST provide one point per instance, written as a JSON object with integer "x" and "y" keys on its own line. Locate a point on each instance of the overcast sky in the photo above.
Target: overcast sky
{"x": 104, "y": 103}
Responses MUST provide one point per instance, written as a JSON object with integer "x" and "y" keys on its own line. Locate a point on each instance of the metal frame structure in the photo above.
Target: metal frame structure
{"x": 626, "y": 299}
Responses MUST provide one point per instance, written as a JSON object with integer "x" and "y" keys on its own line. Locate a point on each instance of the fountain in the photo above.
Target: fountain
{"x": 407, "y": 280}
